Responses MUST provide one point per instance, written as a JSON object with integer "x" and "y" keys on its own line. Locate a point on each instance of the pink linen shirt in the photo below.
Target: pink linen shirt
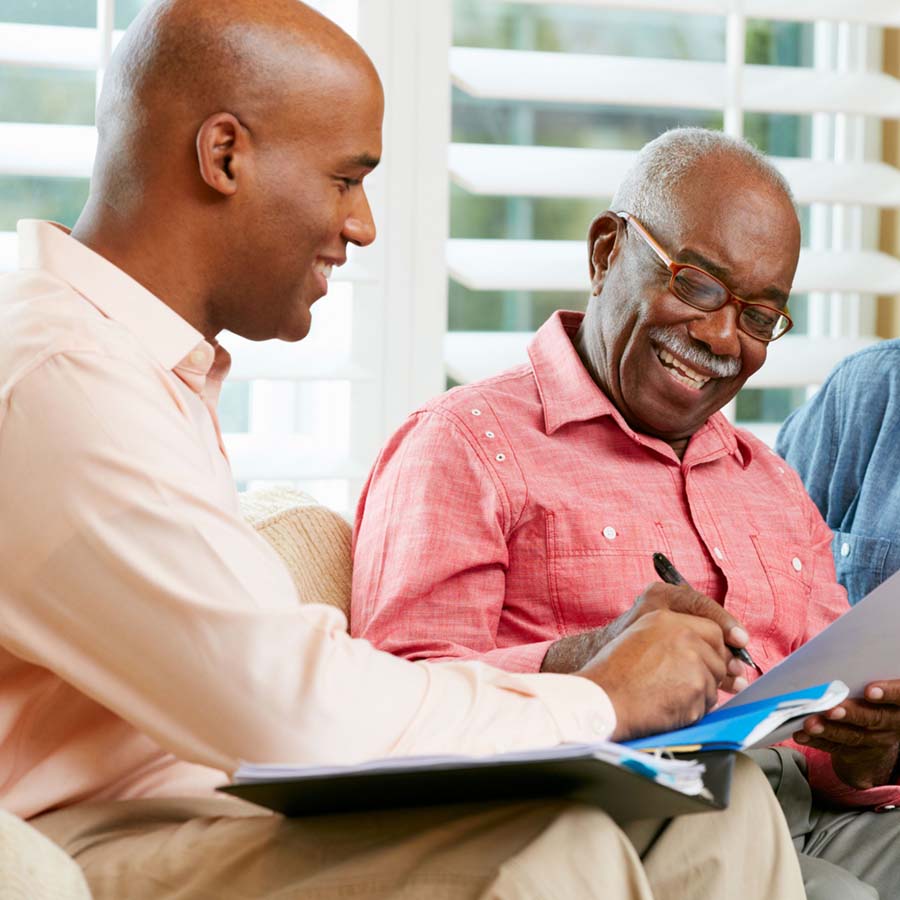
{"x": 510, "y": 513}
{"x": 149, "y": 639}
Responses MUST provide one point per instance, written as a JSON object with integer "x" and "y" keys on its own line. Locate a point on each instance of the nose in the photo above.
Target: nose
{"x": 359, "y": 226}
{"x": 718, "y": 330}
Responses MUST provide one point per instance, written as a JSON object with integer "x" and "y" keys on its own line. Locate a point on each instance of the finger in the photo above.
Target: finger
{"x": 818, "y": 743}
{"x": 694, "y": 603}
{"x": 708, "y": 631}
{"x": 887, "y": 692}
{"x": 714, "y": 662}
{"x": 866, "y": 715}
{"x": 734, "y": 684}
{"x": 848, "y": 735}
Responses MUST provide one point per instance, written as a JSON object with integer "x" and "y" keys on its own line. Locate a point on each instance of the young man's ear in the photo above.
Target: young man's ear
{"x": 603, "y": 244}
{"x": 221, "y": 151}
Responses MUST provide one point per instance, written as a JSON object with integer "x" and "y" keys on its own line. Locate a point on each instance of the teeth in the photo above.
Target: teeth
{"x": 680, "y": 372}
{"x": 323, "y": 268}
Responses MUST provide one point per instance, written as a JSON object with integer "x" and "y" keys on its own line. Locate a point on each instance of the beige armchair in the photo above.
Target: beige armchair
{"x": 314, "y": 543}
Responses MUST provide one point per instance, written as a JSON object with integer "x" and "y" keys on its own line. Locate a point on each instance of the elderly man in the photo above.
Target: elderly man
{"x": 150, "y": 641}
{"x": 514, "y": 520}
{"x": 843, "y": 443}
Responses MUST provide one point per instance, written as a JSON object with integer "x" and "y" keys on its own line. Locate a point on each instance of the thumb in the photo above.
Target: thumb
{"x": 687, "y": 600}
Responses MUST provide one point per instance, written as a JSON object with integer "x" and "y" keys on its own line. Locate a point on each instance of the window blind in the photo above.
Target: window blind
{"x": 838, "y": 94}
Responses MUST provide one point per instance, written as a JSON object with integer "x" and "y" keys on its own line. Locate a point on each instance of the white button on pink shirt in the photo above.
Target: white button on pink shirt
{"x": 149, "y": 640}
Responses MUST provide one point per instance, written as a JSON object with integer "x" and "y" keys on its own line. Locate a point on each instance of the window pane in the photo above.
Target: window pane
{"x": 768, "y": 404}
{"x": 779, "y": 43}
{"x": 557, "y": 28}
{"x": 54, "y": 96}
{"x": 77, "y": 13}
{"x": 234, "y": 407}
{"x": 58, "y": 199}
{"x": 126, "y": 10}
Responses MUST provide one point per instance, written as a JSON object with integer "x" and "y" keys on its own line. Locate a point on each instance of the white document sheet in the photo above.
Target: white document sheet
{"x": 862, "y": 646}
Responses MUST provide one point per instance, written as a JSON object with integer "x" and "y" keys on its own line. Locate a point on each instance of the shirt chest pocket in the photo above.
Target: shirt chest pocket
{"x": 774, "y": 600}
{"x": 863, "y": 562}
{"x": 597, "y": 568}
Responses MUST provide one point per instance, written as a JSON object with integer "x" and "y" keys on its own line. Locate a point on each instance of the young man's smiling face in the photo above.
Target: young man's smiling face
{"x": 667, "y": 366}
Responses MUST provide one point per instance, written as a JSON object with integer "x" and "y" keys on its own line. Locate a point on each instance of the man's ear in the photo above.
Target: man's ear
{"x": 222, "y": 146}
{"x": 603, "y": 245}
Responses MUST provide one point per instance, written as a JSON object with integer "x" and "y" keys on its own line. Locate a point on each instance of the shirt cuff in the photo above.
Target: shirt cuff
{"x": 582, "y": 711}
{"x": 826, "y": 784}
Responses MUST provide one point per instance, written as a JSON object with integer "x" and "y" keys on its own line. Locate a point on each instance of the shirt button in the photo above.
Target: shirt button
{"x": 795, "y": 562}
{"x": 780, "y": 471}
{"x": 719, "y": 553}
{"x": 609, "y": 533}
{"x": 500, "y": 457}
{"x": 845, "y": 549}
{"x": 198, "y": 357}
{"x": 476, "y": 412}
{"x": 889, "y": 806}
{"x": 489, "y": 434}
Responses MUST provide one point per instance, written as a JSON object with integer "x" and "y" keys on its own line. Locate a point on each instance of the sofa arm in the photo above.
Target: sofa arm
{"x": 312, "y": 540}
{"x": 32, "y": 867}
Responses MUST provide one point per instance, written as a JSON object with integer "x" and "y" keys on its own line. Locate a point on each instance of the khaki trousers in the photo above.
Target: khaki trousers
{"x": 223, "y": 849}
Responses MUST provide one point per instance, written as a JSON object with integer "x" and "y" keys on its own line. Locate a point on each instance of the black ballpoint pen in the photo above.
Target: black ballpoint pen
{"x": 671, "y": 575}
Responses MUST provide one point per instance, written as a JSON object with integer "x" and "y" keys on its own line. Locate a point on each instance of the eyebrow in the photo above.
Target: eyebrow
{"x": 772, "y": 293}
{"x": 362, "y": 161}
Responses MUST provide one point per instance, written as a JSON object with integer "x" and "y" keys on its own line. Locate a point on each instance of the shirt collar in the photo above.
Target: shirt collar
{"x": 168, "y": 337}
{"x": 569, "y": 394}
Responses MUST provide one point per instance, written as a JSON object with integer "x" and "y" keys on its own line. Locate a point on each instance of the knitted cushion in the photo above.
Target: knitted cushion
{"x": 313, "y": 541}
{"x": 33, "y": 867}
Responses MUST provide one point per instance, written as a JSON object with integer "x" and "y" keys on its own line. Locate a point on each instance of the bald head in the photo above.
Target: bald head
{"x": 233, "y": 143}
{"x": 271, "y": 63}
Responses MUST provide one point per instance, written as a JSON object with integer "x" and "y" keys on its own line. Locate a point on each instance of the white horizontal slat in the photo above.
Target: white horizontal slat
{"x": 351, "y": 271}
{"x": 870, "y": 12}
{"x": 503, "y": 170}
{"x": 286, "y": 458}
{"x": 792, "y": 362}
{"x": 496, "y": 265}
{"x": 593, "y": 79}
{"x": 47, "y": 150}
{"x": 51, "y": 46}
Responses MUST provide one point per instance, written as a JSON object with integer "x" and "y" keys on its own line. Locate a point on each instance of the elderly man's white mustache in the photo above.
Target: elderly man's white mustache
{"x": 673, "y": 340}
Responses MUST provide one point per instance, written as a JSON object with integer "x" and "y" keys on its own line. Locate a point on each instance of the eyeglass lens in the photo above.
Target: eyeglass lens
{"x": 701, "y": 291}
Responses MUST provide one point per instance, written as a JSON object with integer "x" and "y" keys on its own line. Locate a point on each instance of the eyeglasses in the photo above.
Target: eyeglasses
{"x": 697, "y": 288}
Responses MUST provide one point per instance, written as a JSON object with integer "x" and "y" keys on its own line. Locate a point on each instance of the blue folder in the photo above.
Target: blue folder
{"x": 740, "y": 727}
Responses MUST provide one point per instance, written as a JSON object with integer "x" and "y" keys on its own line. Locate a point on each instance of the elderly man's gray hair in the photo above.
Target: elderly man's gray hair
{"x": 646, "y": 190}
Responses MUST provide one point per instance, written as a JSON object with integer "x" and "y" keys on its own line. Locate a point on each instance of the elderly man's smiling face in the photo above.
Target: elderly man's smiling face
{"x": 667, "y": 366}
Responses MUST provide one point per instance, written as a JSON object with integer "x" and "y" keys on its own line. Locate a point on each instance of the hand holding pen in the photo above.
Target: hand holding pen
{"x": 669, "y": 574}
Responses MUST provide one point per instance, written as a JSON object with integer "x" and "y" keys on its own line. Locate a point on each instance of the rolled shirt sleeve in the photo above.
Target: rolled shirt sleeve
{"x": 126, "y": 577}
{"x": 430, "y": 550}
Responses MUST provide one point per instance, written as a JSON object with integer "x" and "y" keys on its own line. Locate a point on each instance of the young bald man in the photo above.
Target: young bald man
{"x": 514, "y": 520}
{"x": 150, "y": 641}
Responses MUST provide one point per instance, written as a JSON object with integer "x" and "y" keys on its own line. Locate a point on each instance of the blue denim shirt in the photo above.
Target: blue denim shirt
{"x": 845, "y": 443}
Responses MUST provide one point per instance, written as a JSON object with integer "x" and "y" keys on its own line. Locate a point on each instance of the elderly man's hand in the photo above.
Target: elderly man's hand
{"x": 572, "y": 653}
{"x": 862, "y": 736}
{"x": 662, "y": 672}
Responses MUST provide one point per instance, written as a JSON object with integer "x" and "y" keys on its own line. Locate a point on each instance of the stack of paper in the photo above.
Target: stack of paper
{"x": 685, "y": 776}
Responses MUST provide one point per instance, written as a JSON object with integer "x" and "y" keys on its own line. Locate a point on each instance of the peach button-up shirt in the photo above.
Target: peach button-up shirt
{"x": 149, "y": 639}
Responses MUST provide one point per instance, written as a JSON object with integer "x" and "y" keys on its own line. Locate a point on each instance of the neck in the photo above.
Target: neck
{"x": 152, "y": 253}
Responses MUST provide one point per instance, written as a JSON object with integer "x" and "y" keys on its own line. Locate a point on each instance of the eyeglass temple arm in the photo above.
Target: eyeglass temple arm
{"x": 631, "y": 220}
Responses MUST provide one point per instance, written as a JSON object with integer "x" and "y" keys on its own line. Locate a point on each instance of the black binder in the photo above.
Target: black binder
{"x": 625, "y": 795}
